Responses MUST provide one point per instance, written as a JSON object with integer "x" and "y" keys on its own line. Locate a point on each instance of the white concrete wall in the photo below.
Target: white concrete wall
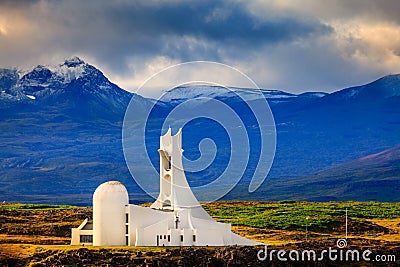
{"x": 175, "y": 237}
{"x": 76, "y": 234}
{"x": 145, "y": 224}
{"x": 75, "y": 239}
{"x": 149, "y": 237}
{"x": 211, "y": 233}
{"x": 210, "y": 237}
{"x": 143, "y": 216}
{"x": 187, "y": 237}
{"x": 109, "y": 202}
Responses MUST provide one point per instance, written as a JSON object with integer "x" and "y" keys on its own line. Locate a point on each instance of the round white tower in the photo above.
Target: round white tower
{"x": 109, "y": 201}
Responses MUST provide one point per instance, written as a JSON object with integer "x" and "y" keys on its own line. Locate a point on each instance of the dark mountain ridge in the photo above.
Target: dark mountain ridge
{"x": 61, "y": 132}
{"x": 374, "y": 177}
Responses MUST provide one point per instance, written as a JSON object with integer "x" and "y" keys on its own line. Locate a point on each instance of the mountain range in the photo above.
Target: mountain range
{"x": 369, "y": 178}
{"x": 61, "y": 137}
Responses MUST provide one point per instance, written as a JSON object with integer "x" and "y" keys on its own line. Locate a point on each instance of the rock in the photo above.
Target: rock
{"x": 149, "y": 253}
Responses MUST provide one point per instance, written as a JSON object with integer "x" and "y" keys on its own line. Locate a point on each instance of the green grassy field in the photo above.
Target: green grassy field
{"x": 321, "y": 218}
{"x": 38, "y": 235}
{"x": 291, "y": 215}
{"x": 36, "y": 207}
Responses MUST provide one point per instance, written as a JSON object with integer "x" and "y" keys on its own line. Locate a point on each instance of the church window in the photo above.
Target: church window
{"x": 86, "y": 239}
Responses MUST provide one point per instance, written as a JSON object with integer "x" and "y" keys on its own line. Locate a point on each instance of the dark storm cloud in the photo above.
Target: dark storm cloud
{"x": 323, "y": 44}
{"x": 114, "y": 31}
{"x": 177, "y": 29}
{"x": 212, "y": 20}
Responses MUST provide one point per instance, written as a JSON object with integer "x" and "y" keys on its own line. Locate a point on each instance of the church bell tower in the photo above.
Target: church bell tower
{"x": 175, "y": 192}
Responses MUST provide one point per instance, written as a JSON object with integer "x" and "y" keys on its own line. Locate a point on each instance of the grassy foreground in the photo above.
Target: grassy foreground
{"x": 286, "y": 221}
{"x": 32, "y": 234}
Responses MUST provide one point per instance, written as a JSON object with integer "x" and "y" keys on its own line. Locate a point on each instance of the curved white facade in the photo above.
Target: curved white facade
{"x": 109, "y": 201}
{"x": 176, "y": 218}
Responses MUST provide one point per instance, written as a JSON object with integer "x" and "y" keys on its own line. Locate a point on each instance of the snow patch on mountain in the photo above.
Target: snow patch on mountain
{"x": 276, "y": 94}
{"x": 183, "y": 93}
{"x": 320, "y": 94}
{"x": 313, "y": 94}
{"x": 72, "y": 69}
{"x": 193, "y": 91}
{"x": 67, "y": 72}
{"x": 31, "y": 97}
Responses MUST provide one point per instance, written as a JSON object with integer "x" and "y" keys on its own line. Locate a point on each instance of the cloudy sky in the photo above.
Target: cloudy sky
{"x": 294, "y": 46}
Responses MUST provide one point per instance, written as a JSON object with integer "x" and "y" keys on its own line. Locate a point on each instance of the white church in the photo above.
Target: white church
{"x": 176, "y": 218}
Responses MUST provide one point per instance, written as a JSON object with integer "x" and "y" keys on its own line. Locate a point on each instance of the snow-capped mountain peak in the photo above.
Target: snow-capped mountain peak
{"x": 71, "y": 69}
{"x": 44, "y": 76}
{"x": 73, "y": 62}
{"x": 71, "y": 80}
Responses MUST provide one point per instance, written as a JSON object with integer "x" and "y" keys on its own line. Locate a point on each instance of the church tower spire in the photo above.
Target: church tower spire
{"x": 175, "y": 192}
